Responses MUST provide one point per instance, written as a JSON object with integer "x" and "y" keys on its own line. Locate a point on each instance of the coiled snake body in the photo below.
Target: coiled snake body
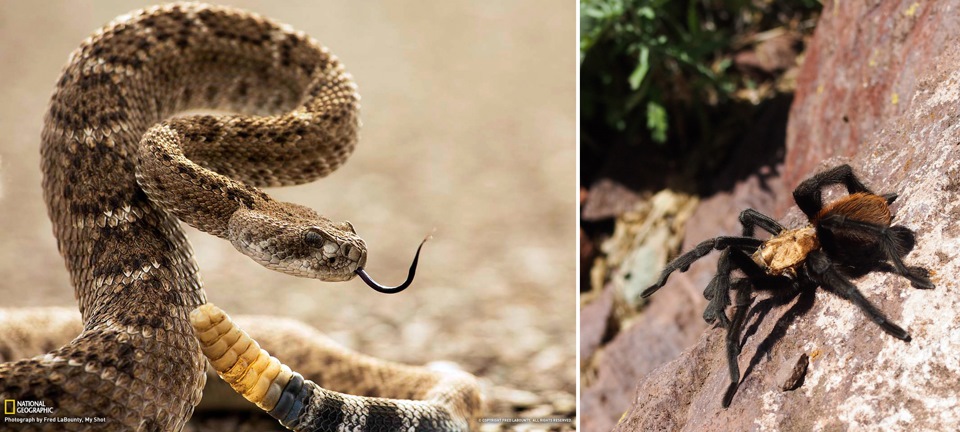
{"x": 117, "y": 175}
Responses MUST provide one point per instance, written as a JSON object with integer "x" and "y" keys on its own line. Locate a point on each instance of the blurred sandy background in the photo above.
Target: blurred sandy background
{"x": 468, "y": 128}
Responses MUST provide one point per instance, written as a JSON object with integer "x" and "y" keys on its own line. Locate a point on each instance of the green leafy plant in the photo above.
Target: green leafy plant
{"x": 654, "y": 67}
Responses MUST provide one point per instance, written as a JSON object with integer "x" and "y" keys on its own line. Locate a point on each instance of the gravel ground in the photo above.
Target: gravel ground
{"x": 468, "y": 112}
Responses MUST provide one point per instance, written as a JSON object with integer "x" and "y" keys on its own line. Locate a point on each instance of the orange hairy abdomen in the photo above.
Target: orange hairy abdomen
{"x": 863, "y": 207}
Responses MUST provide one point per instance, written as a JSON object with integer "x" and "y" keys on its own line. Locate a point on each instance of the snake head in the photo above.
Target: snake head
{"x": 295, "y": 240}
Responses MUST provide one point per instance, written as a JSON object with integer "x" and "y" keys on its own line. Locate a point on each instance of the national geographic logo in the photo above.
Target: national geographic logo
{"x": 14, "y": 407}
{"x": 38, "y": 412}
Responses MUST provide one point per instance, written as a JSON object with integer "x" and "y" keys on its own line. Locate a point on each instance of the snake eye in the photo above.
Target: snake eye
{"x": 314, "y": 237}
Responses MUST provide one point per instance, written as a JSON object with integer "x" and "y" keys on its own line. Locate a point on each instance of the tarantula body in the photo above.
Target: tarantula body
{"x": 785, "y": 252}
{"x": 845, "y": 239}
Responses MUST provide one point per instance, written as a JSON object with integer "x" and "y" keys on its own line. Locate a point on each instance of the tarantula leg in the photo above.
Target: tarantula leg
{"x": 896, "y": 242}
{"x": 916, "y": 272}
{"x": 718, "y": 290}
{"x": 743, "y": 288}
{"x": 718, "y": 293}
{"x": 751, "y": 218}
{"x": 890, "y": 197}
{"x": 808, "y": 194}
{"x": 903, "y": 238}
{"x": 683, "y": 262}
{"x": 822, "y": 271}
{"x": 756, "y": 279}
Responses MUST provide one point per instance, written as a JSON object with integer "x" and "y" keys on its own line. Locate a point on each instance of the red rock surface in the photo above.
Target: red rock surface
{"x": 652, "y": 341}
{"x": 862, "y": 70}
{"x": 858, "y": 378}
{"x": 595, "y": 318}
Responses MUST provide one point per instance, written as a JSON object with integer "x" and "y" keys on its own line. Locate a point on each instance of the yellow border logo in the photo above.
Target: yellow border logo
{"x": 9, "y": 406}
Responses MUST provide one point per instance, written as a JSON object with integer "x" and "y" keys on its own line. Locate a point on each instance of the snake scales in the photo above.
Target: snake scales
{"x": 118, "y": 171}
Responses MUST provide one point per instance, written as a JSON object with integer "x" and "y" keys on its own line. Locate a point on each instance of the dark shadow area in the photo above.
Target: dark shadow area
{"x": 761, "y": 149}
{"x": 803, "y": 305}
{"x": 732, "y": 153}
{"x": 592, "y": 234}
{"x": 641, "y": 169}
{"x": 777, "y": 298}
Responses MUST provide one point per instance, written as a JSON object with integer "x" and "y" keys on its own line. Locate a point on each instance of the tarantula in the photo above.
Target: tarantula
{"x": 845, "y": 239}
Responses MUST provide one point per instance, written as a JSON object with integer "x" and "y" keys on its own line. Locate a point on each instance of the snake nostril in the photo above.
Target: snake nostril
{"x": 354, "y": 253}
{"x": 331, "y": 260}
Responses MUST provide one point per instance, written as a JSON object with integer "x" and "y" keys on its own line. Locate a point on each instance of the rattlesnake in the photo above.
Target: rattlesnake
{"x": 116, "y": 180}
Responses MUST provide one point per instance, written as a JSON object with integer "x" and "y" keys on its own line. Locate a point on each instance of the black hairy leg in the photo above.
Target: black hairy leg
{"x": 893, "y": 244}
{"x": 682, "y": 263}
{"x": 742, "y": 304}
{"x": 822, "y": 271}
{"x": 915, "y": 272}
{"x": 718, "y": 290}
{"x": 751, "y": 218}
{"x": 809, "y": 196}
{"x": 756, "y": 280}
{"x": 717, "y": 293}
